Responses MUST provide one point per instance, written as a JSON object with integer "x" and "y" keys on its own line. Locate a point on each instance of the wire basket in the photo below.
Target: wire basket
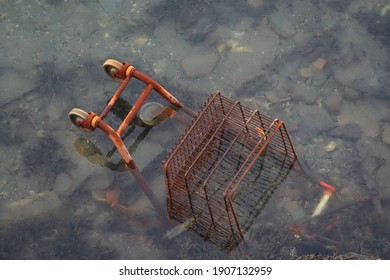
{"x": 224, "y": 168}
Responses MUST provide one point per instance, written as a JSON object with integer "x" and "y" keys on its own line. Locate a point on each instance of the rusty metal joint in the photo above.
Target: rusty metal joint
{"x": 125, "y": 71}
{"x": 95, "y": 120}
{"x": 91, "y": 122}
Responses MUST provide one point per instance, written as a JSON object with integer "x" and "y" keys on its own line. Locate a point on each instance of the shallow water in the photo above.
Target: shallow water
{"x": 264, "y": 54}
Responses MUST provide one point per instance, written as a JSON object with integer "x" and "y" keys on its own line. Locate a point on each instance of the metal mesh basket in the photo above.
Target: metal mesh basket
{"x": 224, "y": 168}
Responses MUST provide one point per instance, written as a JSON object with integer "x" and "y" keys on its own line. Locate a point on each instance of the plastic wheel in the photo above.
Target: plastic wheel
{"x": 151, "y": 114}
{"x": 76, "y": 116}
{"x": 110, "y": 67}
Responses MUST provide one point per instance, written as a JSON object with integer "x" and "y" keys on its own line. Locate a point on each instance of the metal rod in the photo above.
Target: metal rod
{"x": 116, "y": 139}
{"x": 160, "y": 90}
{"x": 312, "y": 177}
{"x": 115, "y": 97}
{"x": 133, "y": 112}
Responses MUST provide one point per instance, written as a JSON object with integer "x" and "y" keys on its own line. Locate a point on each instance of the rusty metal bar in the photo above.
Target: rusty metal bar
{"x": 228, "y": 149}
{"x": 160, "y": 90}
{"x": 134, "y": 110}
{"x": 115, "y": 97}
{"x": 116, "y": 139}
{"x": 259, "y": 147}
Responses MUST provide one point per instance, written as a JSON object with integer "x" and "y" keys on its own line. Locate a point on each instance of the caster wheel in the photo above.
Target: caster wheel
{"x": 76, "y": 116}
{"x": 150, "y": 113}
{"x": 110, "y": 67}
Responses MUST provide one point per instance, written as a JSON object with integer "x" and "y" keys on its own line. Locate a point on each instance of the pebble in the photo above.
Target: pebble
{"x": 305, "y": 93}
{"x": 333, "y": 101}
{"x": 350, "y": 131}
{"x": 302, "y": 39}
{"x": 199, "y": 65}
{"x": 331, "y": 146}
{"x": 281, "y": 25}
{"x": 319, "y": 78}
{"x": 313, "y": 121}
{"x": 306, "y": 73}
{"x": 319, "y": 63}
{"x": 41, "y": 133}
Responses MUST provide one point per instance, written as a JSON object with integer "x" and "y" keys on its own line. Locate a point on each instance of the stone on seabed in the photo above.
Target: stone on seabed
{"x": 319, "y": 63}
{"x": 333, "y": 101}
{"x": 281, "y": 25}
{"x": 197, "y": 65}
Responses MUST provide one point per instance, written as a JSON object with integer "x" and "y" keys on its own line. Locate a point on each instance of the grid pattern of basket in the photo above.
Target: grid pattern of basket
{"x": 224, "y": 168}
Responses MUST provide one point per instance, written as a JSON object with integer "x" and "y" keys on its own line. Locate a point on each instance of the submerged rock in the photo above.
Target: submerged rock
{"x": 305, "y": 93}
{"x": 199, "y": 65}
{"x": 350, "y": 131}
{"x": 196, "y": 23}
{"x": 333, "y": 101}
{"x": 313, "y": 121}
{"x": 368, "y": 113}
{"x": 281, "y": 25}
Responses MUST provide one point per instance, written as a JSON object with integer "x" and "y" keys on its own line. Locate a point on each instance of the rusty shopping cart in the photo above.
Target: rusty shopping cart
{"x": 222, "y": 170}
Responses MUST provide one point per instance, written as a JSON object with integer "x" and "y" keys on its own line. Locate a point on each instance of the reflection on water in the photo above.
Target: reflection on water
{"x": 320, "y": 67}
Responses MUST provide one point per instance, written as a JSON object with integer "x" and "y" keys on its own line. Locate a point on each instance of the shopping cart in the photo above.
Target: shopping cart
{"x": 222, "y": 170}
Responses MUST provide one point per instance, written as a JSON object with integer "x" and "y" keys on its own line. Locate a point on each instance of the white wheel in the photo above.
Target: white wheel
{"x": 111, "y": 67}
{"x": 76, "y": 116}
